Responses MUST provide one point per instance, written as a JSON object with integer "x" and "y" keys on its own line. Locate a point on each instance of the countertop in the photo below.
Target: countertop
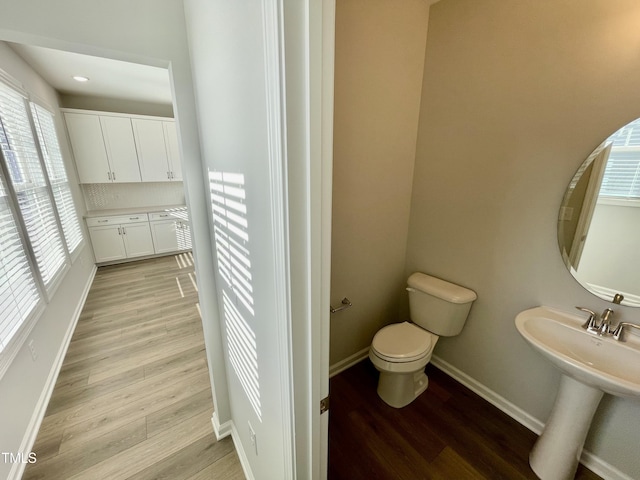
{"x": 134, "y": 210}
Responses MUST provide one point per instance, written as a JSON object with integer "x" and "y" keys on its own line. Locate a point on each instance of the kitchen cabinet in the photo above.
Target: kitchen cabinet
{"x": 119, "y": 237}
{"x": 121, "y": 149}
{"x": 104, "y": 148}
{"x": 88, "y": 147}
{"x": 173, "y": 150}
{"x": 170, "y": 233}
{"x": 158, "y": 153}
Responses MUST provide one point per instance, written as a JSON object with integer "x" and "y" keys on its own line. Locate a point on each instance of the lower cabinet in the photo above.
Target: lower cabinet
{"x": 120, "y": 237}
{"x": 117, "y": 238}
{"x": 170, "y": 235}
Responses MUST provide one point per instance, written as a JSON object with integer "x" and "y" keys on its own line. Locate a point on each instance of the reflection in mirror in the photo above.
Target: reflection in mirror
{"x": 599, "y": 219}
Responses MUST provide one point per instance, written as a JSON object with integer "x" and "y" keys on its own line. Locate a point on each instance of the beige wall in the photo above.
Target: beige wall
{"x": 515, "y": 96}
{"x": 378, "y": 72}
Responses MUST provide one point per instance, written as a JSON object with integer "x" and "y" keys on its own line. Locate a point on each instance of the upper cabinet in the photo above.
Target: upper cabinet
{"x": 173, "y": 151}
{"x": 158, "y": 152}
{"x": 123, "y": 148}
{"x": 89, "y": 149}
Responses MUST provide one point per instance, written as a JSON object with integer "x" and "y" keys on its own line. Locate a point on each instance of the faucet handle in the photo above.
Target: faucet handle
{"x": 590, "y": 324}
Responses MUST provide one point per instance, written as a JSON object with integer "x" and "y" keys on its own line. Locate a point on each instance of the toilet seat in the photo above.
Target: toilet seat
{"x": 402, "y": 343}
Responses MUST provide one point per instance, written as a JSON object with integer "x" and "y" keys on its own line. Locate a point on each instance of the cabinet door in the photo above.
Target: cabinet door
{"x": 88, "y": 147}
{"x": 173, "y": 150}
{"x": 137, "y": 239}
{"x": 184, "y": 236}
{"x": 165, "y": 236}
{"x": 107, "y": 243}
{"x": 152, "y": 152}
{"x": 121, "y": 148}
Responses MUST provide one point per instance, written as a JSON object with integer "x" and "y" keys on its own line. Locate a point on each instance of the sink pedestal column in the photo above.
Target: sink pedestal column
{"x": 556, "y": 454}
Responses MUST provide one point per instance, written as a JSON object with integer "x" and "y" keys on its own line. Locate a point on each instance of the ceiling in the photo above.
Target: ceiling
{"x": 107, "y": 78}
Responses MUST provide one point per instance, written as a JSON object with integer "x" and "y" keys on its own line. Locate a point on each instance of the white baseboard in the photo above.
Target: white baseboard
{"x": 348, "y": 362}
{"x": 221, "y": 430}
{"x": 41, "y": 407}
{"x": 244, "y": 461}
{"x": 589, "y": 460}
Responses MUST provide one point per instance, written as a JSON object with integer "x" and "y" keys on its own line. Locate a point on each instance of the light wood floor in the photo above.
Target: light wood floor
{"x": 133, "y": 399}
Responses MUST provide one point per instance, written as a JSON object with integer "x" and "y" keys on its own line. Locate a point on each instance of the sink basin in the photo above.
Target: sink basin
{"x": 591, "y": 365}
{"x": 601, "y": 362}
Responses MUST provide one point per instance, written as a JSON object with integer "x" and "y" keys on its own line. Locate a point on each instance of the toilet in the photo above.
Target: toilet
{"x": 401, "y": 351}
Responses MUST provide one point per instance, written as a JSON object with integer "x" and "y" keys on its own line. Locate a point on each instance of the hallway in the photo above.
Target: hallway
{"x": 133, "y": 398}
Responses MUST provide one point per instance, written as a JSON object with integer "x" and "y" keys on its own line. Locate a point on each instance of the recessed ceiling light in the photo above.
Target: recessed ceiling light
{"x": 80, "y": 78}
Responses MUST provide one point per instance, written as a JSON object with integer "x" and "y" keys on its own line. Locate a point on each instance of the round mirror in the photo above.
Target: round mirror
{"x": 599, "y": 219}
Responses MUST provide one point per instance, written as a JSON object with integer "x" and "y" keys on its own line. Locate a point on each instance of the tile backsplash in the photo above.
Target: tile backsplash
{"x": 106, "y": 196}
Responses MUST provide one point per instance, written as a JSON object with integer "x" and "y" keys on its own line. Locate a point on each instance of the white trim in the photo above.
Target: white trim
{"x": 221, "y": 430}
{"x": 327, "y": 69}
{"x": 588, "y": 459}
{"x": 348, "y": 362}
{"x": 619, "y": 202}
{"x": 602, "y": 468}
{"x": 489, "y": 395}
{"x": 242, "y": 456}
{"x": 41, "y": 407}
{"x": 272, "y": 17}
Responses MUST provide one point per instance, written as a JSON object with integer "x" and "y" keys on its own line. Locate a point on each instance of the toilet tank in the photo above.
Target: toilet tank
{"x": 438, "y": 306}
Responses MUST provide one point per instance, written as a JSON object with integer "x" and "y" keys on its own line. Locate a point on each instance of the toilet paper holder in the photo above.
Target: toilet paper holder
{"x": 345, "y": 304}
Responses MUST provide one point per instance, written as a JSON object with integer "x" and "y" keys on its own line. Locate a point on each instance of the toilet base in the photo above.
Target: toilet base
{"x": 400, "y": 389}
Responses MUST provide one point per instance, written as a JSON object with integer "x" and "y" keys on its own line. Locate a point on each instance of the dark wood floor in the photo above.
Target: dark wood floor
{"x": 448, "y": 432}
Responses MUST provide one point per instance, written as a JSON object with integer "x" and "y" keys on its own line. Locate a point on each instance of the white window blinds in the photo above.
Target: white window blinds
{"x": 622, "y": 173}
{"x": 46, "y": 130}
{"x": 30, "y": 186}
{"x": 18, "y": 292}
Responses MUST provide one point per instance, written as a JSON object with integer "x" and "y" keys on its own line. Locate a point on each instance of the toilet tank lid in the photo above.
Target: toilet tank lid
{"x": 437, "y": 287}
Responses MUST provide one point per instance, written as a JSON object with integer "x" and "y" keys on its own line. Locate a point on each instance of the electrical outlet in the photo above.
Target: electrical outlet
{"x": 32, "y": 349}
{"x": 252, "y": 435}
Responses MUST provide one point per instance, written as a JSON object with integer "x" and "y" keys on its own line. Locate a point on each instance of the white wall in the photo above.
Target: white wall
{"x": 24, "y": 386}
{"x": 150, "y": 32}
{"x": 103, "y": 104}
{"x": 611, "y": 255}
{"x": 378, "y": 73}
{"x": 515, "y": 96}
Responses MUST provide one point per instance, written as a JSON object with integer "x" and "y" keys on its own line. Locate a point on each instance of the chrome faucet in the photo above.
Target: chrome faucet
{"x": 591, "y": 324}
{"x": 605, "y": 322}
{"x": 598, "y": 328}
{"x": 605, "y": 327}
{"x": 617, "y": 334}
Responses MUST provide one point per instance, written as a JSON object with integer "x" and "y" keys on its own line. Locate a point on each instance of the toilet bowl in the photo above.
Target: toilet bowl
{"x": 401, "y": 351}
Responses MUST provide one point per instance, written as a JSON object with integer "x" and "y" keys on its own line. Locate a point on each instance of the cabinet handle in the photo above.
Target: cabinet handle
{"x": 114, "y": 175}
{"x": 134, "y": 218}
{"x": 119, "y": 231}
{"x": 103, "y": 221}
{"x": 172, "y": 175}
{"x": 168, "y": 176}
{"x": 124, "y": 232}
{"x": 109, "y": 175}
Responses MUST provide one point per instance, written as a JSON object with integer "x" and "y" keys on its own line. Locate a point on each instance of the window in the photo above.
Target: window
{"x": 30, "y": 186}
{"x": 39, "y": 225}
{"x": 18, "y": 292}
{"x": 46, "y": 131}
{"x": 622, "y": 173}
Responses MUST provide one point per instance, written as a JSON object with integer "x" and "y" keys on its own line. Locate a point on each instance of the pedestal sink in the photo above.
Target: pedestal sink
{"x": 591, "y": 366}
